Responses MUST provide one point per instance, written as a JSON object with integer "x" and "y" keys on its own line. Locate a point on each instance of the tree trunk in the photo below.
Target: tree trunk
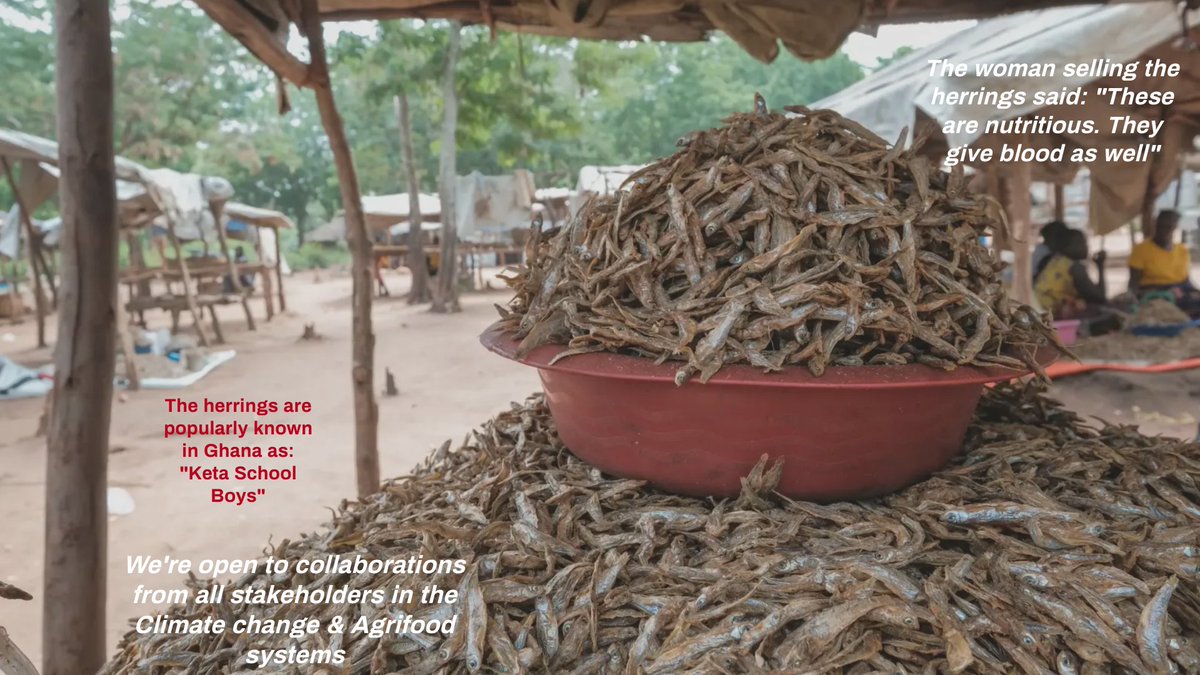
{"x": 418, "y": 293}
{"x": 85, "y": 355}
{"x": 366, "y": 413}
{"x": 445, "y": 297}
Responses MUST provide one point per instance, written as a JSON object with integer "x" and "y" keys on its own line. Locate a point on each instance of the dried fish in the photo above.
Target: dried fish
{"x": 1003, "y": 562}
{"x": 883, "y": 248}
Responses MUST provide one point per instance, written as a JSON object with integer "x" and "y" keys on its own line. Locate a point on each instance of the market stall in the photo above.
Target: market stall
{"x": 584, "y": 608}
{"x": 1103, "y": 39}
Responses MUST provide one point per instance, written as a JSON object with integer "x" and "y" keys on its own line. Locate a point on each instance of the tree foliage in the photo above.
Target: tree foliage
{"x": 190, "y": 98}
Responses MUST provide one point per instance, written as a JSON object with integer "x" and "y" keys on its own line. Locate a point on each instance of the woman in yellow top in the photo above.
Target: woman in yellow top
{"x": 1063, "y": 286}
{"x": 1160, "y": 263}
{"x": 1163, "y": 264}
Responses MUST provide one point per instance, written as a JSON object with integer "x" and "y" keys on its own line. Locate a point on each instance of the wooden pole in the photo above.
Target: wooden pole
{"x": 279, "y": 271}
{"x": 73, "y": 636}
{"x": 268, "y": 291}
{"x": 125, "y": 340}
{"x": 1149, "y": 194}
{"x": 1060, "y": 203}
{"x": 1018, "y": 206}
{"x": 216, "y": 208}
{"x": 39, "y": 296}
{"x": 366, "y": 412}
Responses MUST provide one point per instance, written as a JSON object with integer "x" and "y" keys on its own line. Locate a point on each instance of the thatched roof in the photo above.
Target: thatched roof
{"x": 810, "y": 29}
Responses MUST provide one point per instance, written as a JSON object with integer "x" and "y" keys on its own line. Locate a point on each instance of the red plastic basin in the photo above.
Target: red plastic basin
{"x": 854, "y": 432}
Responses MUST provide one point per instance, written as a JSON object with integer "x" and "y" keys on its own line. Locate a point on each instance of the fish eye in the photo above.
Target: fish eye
{"x": 1027, "y": 639}
{"x": 909, "y": 621}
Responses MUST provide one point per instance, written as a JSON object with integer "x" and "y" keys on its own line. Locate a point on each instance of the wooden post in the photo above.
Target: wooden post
{"x": 1150, "y": 195}
{"x": 216, "y": 208}
{"x": 76, "y": 565}
{"x": 125, "y": 340}
{"x": 137, "y": 261}
{"x": 39, "y": 296}
{"x": 188, "y": 295}
{"x": 366, "y": 412}
{"x": 279, "y": 271}
{"x": 1060, "y": 203}
{"x": 268, "y": 294}
{"x": 1018, "y": 206}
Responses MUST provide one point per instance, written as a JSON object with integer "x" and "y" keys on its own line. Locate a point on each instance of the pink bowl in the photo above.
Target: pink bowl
{"x": 1068, "y": 331}
{"x": 851, "y": 433}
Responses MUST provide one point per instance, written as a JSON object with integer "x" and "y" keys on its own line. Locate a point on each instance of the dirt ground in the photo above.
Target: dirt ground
{"x": 448, "y": 385}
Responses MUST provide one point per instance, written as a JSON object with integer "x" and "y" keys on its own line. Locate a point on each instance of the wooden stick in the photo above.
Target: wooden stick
{"x": 279, "y": 271}
{"x": 39, "y": 296}
{"x": 76, "y": 564}
{"x": 187, "y": 281}
{"x": 233, "y": 267}
{"x": 366, "y": 412}
{"x": 1060, "y": 202}
{"x": 212, "y": 311}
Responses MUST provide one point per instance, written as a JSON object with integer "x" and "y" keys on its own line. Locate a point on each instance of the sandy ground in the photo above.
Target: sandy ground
{"x": 448, "y": 385}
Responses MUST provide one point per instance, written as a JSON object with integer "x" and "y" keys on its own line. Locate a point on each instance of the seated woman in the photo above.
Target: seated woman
{"x": 1052, "y": 233}
{"x": 1163, "y": 265}
{"x": 1063, "y": 287}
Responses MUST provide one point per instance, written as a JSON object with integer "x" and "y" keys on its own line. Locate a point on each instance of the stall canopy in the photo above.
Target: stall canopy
{"x": 384, "y": 211}
{"x": 901, "y": 95}
{"x": 488, "y": 206}
{"x": 809, "y": 29}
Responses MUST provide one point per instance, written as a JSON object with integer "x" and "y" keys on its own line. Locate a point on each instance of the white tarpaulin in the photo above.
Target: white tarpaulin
{"x": 1103, "y": 38}
{"x": 266, "y": 237}
{"x": 185, "y": 198}
{"x": 600, "y": 180}
{"x": 36, "y": 186}
{"x": 486, "y": 206}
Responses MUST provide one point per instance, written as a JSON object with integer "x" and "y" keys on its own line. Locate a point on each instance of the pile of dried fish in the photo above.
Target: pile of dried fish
{"x": 778, "y": 240}
{"x": 1050, "y": 547}
{"x": 1159, "y": 313}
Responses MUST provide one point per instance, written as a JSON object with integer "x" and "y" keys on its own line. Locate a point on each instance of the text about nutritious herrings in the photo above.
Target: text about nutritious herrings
{"x": 309, "y": 610}
{"x": 237, "y": 448}
{"x": 1119, "y": 100}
